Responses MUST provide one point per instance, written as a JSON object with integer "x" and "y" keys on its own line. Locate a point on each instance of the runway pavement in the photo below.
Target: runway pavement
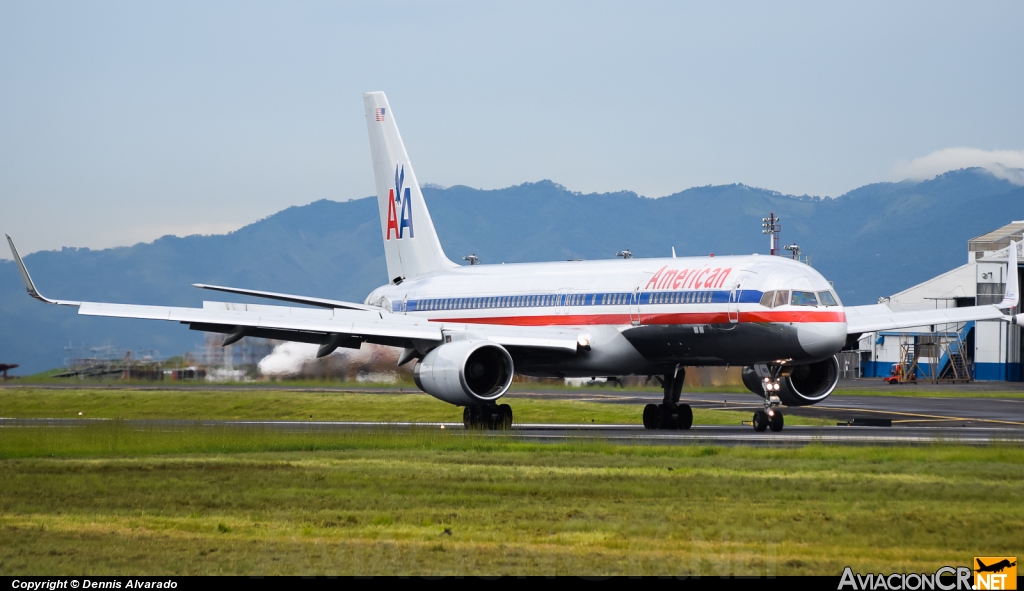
{"x": 957, "y": 417}
{"x": 903, "y": 411}
{"x": 619, "y": 434}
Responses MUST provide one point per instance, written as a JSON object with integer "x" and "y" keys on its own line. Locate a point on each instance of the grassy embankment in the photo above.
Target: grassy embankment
{"x": 116, "y": 500}
{"x": 263, "y": 404}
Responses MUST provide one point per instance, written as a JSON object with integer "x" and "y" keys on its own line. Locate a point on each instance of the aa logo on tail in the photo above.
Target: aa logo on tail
{"x": 399, "y": 201}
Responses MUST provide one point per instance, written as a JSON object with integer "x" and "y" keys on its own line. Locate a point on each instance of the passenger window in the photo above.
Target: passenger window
{"x": 827, "y": 299}
{"x": 768, "y": 299}
{"x": 781, "y": 297}
{"x": 804, "y": 298}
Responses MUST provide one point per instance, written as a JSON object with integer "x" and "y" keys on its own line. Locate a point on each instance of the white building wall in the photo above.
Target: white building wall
{"x": 997, "y": 344}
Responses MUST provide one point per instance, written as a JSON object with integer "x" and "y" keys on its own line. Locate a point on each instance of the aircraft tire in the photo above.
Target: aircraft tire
{"x": 685, "y": 420}
{"x": 505, "y": 414}
{"x": 760, "y": 421}
{"x": 651, "y": 416}
{"x": 775, "y": 422}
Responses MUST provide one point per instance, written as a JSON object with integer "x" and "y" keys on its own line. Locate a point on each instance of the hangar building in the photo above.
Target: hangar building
{"x": 985, "y": 350}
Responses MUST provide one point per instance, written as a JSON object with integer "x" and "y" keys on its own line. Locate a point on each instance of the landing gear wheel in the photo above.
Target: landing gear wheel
{"x": 775, "y": 421}
{"x": 651, "y": 416}
{"x": 760, "y": 421}
{"x": 666, "y": 418}
{"x": 491, "y": 417}
{"x": 505, "y": 417}
{"x": 685, "y": 418}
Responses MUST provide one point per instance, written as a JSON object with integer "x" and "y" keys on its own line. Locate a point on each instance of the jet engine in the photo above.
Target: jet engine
{"x": 805, "y": 384}
{"x": 465, "y": 373}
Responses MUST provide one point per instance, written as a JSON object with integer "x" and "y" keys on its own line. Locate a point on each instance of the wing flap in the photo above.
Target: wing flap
{"x": 285, "y": 297}
{"x": 338, "y": 321}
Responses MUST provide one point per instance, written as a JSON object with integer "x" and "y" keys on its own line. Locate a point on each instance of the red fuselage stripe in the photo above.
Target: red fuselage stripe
{"x": 668, "y": 318}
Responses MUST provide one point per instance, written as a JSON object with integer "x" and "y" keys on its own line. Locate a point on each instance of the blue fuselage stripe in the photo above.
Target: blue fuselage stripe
{"x": 647, "y": 298}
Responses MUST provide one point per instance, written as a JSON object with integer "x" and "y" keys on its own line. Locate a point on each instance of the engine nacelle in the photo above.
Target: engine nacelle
{"x": 465, "y": 373}
{"x": 806, "y": 385}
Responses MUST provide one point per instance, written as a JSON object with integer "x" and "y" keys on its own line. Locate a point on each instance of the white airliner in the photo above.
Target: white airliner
{"x": 471, "y": 327}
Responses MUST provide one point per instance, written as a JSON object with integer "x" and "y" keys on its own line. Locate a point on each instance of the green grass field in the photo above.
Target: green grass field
{"x": 323, "y": 406}
{"x": 110, "y": 497}
{"x": 116, "y": 500}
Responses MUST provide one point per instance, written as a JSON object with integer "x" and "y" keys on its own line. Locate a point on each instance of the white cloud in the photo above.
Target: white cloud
{"x": 1005, "y": 164}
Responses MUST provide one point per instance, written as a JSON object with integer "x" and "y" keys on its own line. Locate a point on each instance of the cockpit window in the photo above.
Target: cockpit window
{"x": 768, "y": 299}
{"x": 781, "y": 297}
{"x": 827, "y": 299}
{"x": 804, "y": 298}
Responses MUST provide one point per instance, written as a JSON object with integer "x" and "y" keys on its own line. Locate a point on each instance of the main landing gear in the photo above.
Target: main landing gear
{"x": 670, "y": 414}
{"x": 493, "y": 417}
{"x": 771, "y": 416}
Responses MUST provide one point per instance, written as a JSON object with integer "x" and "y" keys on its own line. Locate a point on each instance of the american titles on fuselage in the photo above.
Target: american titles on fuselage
{"x": 701, "y": 278}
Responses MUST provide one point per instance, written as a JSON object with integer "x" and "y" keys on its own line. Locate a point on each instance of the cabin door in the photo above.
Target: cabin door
{"x": 734, "y": 302}
{"x": 634, "y": 307}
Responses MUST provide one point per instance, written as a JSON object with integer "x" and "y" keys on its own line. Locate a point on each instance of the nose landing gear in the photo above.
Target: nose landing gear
{"x": 670, "y": 414}
{"x": 771, "y": 416}
{"x": 768, "y": 419}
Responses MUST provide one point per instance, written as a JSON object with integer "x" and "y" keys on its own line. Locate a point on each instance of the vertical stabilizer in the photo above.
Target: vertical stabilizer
{"x": 411, "y": 245}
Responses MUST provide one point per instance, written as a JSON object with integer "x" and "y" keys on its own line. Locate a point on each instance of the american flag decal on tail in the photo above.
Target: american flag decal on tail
{"x": 380, "y": 114}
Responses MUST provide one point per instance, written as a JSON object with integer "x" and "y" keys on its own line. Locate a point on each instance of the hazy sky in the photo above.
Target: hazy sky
{"x": 124, "y": 121}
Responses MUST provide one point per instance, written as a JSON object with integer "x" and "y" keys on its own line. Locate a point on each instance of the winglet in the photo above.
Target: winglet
{"x": 1011, "y": 297}
{"x": 30, "y": 286}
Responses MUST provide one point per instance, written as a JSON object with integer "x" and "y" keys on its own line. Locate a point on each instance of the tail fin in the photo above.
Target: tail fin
{"x": 411, "y": 246}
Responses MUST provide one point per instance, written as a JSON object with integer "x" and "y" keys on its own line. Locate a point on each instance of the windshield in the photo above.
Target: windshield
{"x": 804, "y": 298}
{"x": 827, "y": 299}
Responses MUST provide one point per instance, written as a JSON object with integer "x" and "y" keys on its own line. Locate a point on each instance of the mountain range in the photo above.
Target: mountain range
{"x": 873, "y": 241}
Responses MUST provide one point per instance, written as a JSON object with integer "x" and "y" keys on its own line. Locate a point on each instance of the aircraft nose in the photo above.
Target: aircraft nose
{"x": 821, "y": 339}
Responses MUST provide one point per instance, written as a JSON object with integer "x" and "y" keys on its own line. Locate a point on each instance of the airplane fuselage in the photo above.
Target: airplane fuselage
{"x": 642, "y": 315}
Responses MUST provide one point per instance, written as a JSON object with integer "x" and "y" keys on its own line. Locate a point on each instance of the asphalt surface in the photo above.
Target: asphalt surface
{"x": 958, "y": 417}
{"x": 903, "y": 411}
{"x": 621, "y": 434}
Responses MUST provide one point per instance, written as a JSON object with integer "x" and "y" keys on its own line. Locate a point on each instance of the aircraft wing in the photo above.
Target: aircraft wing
{"x": 285, "y": 297}
{"x": 331, "y": 327}
{"x": 861, "y": 319}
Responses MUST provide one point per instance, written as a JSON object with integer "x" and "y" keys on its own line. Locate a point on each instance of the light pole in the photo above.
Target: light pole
{"x": 772, "y": 226}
